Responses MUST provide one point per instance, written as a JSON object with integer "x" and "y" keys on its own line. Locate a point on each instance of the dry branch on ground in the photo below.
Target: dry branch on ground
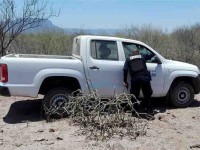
{"x": 102, "y": 119}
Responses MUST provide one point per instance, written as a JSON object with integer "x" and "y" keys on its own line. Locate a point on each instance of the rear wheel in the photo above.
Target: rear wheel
{"x": 181, "y": 94}
{"x": 55, "y": 101}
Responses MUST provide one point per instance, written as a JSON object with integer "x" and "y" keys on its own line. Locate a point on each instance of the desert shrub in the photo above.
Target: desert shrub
{"x": 187, "y": 45}
{"x": 102, "y": 119}
{"x": 49, "y": 43}
{"x": 182, "y": 43}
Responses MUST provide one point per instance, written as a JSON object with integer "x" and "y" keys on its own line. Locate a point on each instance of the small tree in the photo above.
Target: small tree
{"x": 14, "y": 21}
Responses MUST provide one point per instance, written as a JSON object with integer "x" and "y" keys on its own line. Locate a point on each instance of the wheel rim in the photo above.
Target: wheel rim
{"x": 183, "y": 95}
{"x": 59, "y": 100}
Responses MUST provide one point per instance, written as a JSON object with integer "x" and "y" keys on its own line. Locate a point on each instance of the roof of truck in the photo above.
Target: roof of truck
{"x": 108, "y": 38}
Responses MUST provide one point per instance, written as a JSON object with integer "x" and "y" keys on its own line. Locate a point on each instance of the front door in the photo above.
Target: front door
{"x": 156, "y": 69}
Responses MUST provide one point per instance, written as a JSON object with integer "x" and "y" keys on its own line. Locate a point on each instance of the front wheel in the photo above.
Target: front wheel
{"x": 55, "y": 101}
{"x": 181, "y": 94}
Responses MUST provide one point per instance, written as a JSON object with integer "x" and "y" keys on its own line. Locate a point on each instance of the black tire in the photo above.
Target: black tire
{"x": 181, "y": 94}
{"x": 56, "y": 97}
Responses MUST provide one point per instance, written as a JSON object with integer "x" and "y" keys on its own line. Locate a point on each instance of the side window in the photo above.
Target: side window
{"x": 104, "y": 50}
{"x": 76, "y": 47}
{"x": 129, "y": 47}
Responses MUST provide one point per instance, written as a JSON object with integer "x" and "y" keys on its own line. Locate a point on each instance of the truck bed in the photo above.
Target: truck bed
{"x": 39, "y": 56}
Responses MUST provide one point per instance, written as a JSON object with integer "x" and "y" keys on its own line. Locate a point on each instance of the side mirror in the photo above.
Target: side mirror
{"x": 156, "y": 60}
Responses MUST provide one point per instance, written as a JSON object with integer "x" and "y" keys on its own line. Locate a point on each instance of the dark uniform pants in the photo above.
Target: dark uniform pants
{"x": 136, "y": 85}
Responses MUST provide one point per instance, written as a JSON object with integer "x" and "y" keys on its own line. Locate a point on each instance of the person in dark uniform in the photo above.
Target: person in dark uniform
{"x": 140, "y": 78}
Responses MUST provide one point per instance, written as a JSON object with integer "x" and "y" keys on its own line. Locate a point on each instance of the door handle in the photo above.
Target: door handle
{"x": 94, "y": 67}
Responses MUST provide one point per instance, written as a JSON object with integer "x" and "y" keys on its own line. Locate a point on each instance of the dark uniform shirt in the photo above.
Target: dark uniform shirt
{"x": 144, "y": 74}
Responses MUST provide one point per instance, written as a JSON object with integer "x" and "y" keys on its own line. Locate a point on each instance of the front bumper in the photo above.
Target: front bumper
{"x": 196, "y": 83}
{"x": 4, "y": 91}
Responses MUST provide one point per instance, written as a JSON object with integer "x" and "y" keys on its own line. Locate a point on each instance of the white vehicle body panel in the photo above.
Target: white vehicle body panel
{"x": 27, "y": 74}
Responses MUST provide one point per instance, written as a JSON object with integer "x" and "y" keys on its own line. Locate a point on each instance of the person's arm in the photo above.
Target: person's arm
{"x": 125, "y": 69}
{"x": 147, "y": 56}
{"x": 125, "y": 76}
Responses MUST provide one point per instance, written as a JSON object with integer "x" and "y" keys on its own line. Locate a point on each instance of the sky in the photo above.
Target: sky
{"x": 116, "y": 14}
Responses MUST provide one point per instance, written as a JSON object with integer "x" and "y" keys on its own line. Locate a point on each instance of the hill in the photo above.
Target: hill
{"x": 49, "y": 26}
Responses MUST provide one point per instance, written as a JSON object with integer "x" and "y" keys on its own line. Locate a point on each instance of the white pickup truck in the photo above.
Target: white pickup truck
{"x": 96, "y": 63}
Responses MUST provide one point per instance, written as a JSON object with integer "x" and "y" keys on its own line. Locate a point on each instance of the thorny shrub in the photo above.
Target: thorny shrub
{"x": 102, "y": 119}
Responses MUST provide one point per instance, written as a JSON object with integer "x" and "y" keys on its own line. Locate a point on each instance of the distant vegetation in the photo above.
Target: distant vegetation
{"x": 181, "y": 44}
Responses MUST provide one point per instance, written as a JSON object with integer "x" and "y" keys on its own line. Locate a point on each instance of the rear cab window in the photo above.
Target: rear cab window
{"x": 76, "y": 47}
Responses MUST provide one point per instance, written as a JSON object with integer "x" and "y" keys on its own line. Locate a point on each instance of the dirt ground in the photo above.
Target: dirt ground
{"x": 22, "y": 128}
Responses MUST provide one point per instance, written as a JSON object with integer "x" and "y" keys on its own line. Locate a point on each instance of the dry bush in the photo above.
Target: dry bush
{"x": 187, "y": 43}
{"x": 102, "y": 119}
{"x": 48, "y": 43}
{"x": 182, "y": 43}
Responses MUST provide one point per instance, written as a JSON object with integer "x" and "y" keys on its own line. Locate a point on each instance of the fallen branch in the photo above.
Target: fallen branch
{"x": 102, "y": 119}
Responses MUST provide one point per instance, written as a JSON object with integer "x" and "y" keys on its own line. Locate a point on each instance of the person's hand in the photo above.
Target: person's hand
{"x": 126, "y": 84}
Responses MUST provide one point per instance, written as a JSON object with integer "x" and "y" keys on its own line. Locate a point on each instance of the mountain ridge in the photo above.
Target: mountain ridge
{"x": 47, "y": 25}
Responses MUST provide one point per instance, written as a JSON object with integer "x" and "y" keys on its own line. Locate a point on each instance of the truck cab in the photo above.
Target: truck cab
{"x": 105, "y": 57}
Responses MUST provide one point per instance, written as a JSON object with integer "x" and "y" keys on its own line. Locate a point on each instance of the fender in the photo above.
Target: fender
{"x": 174, "y": 75}
{"x": 45, "y": 73}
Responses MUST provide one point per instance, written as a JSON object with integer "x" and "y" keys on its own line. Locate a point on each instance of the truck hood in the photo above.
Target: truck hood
{"x": 177, "y": 65}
